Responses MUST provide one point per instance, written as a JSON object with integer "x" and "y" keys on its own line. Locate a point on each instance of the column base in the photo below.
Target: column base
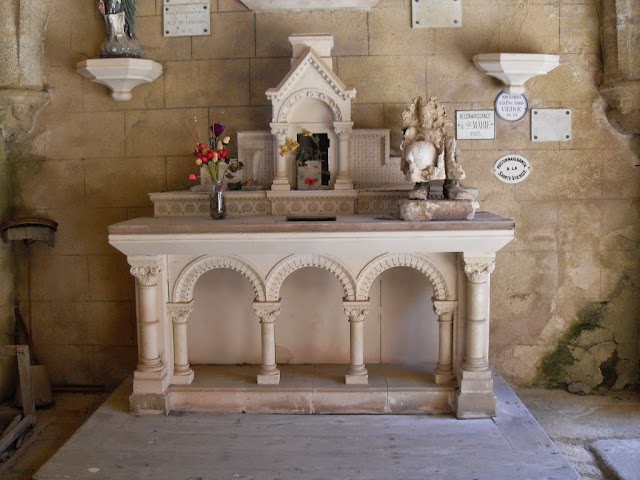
{"x": 476, "y": 398}
{"x": 280, "y": 185}
{"x": 470, "y": 406}
{"x": 151, "y": 382}
{"x": 343, "y": 184}
{"x": 183, "y": 378}
{"x": 445, "y": 378}
{"x": 360, "y": 377}
{"x": 149, "y": 404}
{"x": 271, "y": 378}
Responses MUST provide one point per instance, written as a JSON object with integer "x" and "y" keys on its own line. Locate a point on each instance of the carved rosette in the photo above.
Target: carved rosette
{"x": 179, "y": 312}
{"x": 267, "y": 311}
{"x": 478, "y": 269}
{"x": 145, "y": 269}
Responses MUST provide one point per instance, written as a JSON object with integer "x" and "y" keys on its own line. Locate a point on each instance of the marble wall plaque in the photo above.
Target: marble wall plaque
{"x": 511, "y": 107}
{"x": 475, "y": 125}
{"x": 512, "y": 168}
{"x": 436, "y": 13}
{"x": 551, "y": 125}
{"x": 184, "y": 18}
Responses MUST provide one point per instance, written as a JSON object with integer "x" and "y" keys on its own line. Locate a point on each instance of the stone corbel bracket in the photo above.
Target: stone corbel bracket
{"x": 19, "y": 110}
{"x": 121, "y": 75}
{"x": 621, "y": 83}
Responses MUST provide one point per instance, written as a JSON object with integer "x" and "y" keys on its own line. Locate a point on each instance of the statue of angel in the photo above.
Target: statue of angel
{"x": 119, "y": 18}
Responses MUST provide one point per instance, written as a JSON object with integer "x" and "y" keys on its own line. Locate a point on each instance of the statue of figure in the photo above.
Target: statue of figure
{"x": 119, "y": 18}
{"x": 430, "y": 154}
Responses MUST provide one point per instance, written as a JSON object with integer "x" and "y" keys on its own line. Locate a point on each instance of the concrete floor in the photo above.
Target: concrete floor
{"x": 573, "y": 422}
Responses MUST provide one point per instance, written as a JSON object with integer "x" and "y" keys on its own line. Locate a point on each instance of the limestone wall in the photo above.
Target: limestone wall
{"x": 576, "y": 251}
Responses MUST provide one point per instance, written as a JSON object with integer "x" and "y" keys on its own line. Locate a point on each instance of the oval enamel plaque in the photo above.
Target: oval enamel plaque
{"x": 512, "y": 168}
{"x": 511, "y": 107}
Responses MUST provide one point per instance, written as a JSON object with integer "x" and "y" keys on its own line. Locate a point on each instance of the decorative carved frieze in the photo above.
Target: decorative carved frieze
{"x": 267, "y": 202}
{"x": 324, "y": 202}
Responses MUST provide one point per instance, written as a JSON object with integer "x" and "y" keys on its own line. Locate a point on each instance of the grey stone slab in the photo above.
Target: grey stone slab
{"x": 620, "y": 457}
{"x": 258, "y": 446}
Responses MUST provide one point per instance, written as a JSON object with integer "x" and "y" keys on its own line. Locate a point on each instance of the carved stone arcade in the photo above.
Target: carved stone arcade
{"x": 167, "y": 263}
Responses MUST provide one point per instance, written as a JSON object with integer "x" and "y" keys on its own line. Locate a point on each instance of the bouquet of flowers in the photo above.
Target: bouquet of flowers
{"x": 308, "y": 150}
{"x": 214, "y": 154}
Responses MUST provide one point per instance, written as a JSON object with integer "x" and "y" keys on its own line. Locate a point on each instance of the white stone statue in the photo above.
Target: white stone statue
{"x": 430, "y": 154}
{"x": 119, "y": 18}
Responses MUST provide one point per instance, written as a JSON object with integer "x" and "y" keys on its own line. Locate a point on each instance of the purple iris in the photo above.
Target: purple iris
{"x": 217, "y": 129}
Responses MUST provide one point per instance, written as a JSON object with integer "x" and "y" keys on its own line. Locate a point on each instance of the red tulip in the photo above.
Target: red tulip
{"x": 223, "y": 153}
{"x": 201, "y": 146}
{"x": 193, "y": 177}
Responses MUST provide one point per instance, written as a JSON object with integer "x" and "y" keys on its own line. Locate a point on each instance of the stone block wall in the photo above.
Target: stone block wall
{"x": 577, "y": 215}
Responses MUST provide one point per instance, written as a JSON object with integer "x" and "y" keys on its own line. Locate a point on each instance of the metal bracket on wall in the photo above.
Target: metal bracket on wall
{"x": 436, "y": 13}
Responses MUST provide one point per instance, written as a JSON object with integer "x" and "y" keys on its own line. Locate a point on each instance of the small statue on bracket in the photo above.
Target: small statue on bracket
{"x": 119, "y": 18}
{"x": 430, "y": 160}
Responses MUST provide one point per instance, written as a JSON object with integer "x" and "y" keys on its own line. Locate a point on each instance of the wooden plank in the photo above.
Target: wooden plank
{"x": 19, "y": 429}
{"x": 24, "y": 372}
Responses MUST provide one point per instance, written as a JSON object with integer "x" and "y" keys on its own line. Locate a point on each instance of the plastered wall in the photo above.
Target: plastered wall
{"x": 577, "y": 215}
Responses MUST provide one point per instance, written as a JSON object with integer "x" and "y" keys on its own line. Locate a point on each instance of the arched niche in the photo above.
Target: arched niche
{"x": 223, "y": 328}
{"x": 312, "y": 327}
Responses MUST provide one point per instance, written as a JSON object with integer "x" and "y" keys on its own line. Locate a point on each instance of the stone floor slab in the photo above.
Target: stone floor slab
{"x": 620, "y": 457}
{"x": 117, "y": 445}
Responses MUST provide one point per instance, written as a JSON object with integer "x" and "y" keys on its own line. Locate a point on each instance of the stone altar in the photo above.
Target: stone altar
{"x": 169, "y": 254}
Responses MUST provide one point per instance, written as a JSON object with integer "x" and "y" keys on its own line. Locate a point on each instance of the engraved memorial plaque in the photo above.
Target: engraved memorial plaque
{"x": 475, "y": 125}
{"x": 511, "y": 107}
{"x": 512, "y": 168}
{"x": 184, "y": 18}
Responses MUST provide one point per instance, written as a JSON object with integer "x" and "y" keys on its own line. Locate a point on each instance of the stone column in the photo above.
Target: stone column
{"x": 268, "y": 311}
{"x": 179, "y": 314}
{"x": 445, "y": 311}
{"x": 476, "y": 398}
{"x": 343, "y": 131}
{"x": 356, "y": 312}
{"x": 281, "y": 176}
{"x": 151, "y": 373}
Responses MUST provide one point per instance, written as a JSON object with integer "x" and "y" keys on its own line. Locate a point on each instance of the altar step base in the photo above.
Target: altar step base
{"x": 314, "y": 389}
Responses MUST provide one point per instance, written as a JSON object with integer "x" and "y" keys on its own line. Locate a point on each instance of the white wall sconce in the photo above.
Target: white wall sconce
{"x": 515, "y": 69}
{"x": 121, "y": 75}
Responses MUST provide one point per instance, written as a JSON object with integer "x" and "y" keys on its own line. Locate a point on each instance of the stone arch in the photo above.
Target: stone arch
{"x": 330, "y": 99}
{"x": 391, "y": 260}
{"x": 183, "y": 290}
{"x": 282, "y": 270}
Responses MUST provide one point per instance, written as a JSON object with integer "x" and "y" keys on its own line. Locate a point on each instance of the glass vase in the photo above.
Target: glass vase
{"x": 217, "y": 205}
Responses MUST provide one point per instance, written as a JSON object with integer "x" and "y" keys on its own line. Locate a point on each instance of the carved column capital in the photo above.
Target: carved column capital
{"x": 356, "y": 311}
{"x": 179, "y": 312}
{"x": 478, "y": 269}
{"x": 445, "y": 309}
{"x": 146, "y": 269}
{"x": 280, "y": 130}
{"x": 343, "y": 129}
{"x": 267, "y": 311}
